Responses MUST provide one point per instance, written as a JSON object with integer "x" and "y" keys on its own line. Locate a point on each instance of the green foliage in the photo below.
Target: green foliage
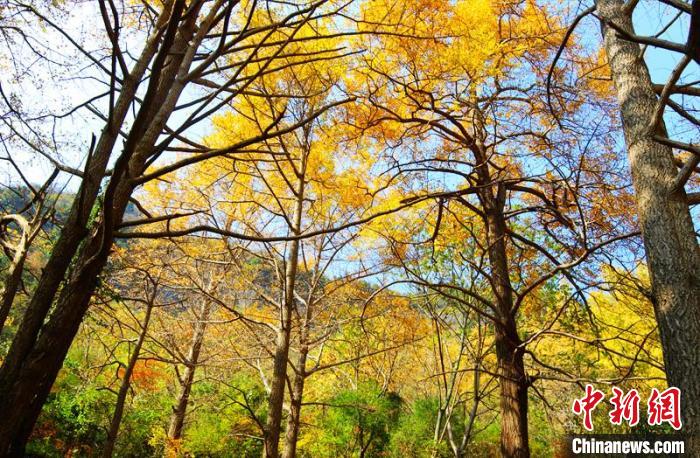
{"x": 223, "y": 427}
{"x": 357, "y": 423}
{"x": 413, "y": 435}
{"x": 74, "y": 417}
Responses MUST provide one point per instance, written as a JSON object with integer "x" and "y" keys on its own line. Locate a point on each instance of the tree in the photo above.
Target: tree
{"x": 498, "y": 168}
{"x": 670, "y": 242}
{"x": 184, "y": 46}
{"x": 41, "y": 210}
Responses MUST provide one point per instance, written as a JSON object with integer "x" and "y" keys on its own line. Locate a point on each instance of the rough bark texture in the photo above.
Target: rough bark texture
{"x": 294, "y": 418}
{"x": 513, "y": 395}
{"x": 39, "y": 348}
{"x": 296, "y": 396}
{"x": 511, "y": 369}
{"x": 673, "y": 255}
{"x": 29, "y": 389}
{"x": 513, "y": 379}
{"x": 124, "y": 387}
{"x": 74, "y": 231}
{"x": 177, "y": 420}
{"x": 276, "y": 397}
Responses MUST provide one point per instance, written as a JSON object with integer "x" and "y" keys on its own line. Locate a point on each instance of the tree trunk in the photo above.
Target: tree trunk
{"x": 38, "y": 350}
{"x": 511, "y": 368}
{"x": 75, "y": 229}
{"x": 672, "y": 251}
{"x": 279, "y": 373}
{"x": 13, "y": 277}
{"x": 296, "y": 396}
{"x": 177, "y": 420}
{"x": 513, "y": 395}
{"x": 124, "y": 387}
{"x": 276, "y": 399}
{"x": 27, "y": 392}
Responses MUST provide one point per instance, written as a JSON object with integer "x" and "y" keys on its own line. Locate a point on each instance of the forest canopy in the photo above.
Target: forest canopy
{"x": 347, "y": 228}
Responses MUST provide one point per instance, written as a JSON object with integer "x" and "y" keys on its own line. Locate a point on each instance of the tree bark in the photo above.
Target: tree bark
{"x": 27, "y": 392}
{"x": 125, "y": 385}
{"x": 513, "y": 394}
{"x": 672, "y": 251}
{"x": 296, "y": 397}
{"x": 177, "y": 420}
{"x": 13, "y": 278}
{"x": 38, "y": 350}
{"x": 75, "y": 229}
{"x": 297, "y": 394}
{"x": 279, "y": 373}
{"x": 513, "y": 379}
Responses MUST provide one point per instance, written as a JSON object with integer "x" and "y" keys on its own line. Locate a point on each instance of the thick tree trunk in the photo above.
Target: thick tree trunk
{"x": 20, "y": 391}
{"x": 276, "y": 398}
{"x": 672, "y": 251}
{"x": 75, "y": 229}
{"x": 27, "y": 392}
{"x": 38, "y": 350}
{"x": 513, "y": 394}
{"x": 513, "y": 379}
{"x": 177, "y": 419}
{"x": 125, "y": 385}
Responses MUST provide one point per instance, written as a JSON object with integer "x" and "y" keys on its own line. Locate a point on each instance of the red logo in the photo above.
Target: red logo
{"x": 586, "y": 405}
{"x": 665, "y": 407}
{"x": 625, "y": 407}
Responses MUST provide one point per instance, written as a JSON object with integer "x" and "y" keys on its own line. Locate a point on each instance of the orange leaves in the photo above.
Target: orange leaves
{"x": 147, "y": 374}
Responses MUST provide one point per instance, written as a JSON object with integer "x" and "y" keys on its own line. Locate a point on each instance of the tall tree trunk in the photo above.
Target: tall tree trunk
{"x": 513, "y": 379}
{"x": 177, "y": 419}
{"x": 75, "y": 228}
{"x": 28, "y": 391}
{"x": 513, "y": 394}
{"x": 38, "y": 350}
{"x": 276, "y": 398}
{"x": 279, "y": 372}
{"x": 297, "y": 395}
{"x": 125, "y": 385}
{"x": 672, "y": 251}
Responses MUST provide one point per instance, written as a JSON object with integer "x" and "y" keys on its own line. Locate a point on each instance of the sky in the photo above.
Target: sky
{"x": 60, "y": 88}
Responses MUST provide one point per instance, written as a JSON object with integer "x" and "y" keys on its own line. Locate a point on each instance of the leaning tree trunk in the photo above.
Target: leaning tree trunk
{"x": 28, "y": 391}
{"x": 74, "y": 231}
{"x": 125, "y": 385}
{"x": 177, "y": 420}
{"x": 13, "y": 278}
{"x": 39, "y": 348}
{"x": 672, "y": 251}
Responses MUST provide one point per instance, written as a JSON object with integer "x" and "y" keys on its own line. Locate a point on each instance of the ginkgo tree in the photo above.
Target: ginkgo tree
{"x": 501, "y": 171}
{"x": 327, "y": 228}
